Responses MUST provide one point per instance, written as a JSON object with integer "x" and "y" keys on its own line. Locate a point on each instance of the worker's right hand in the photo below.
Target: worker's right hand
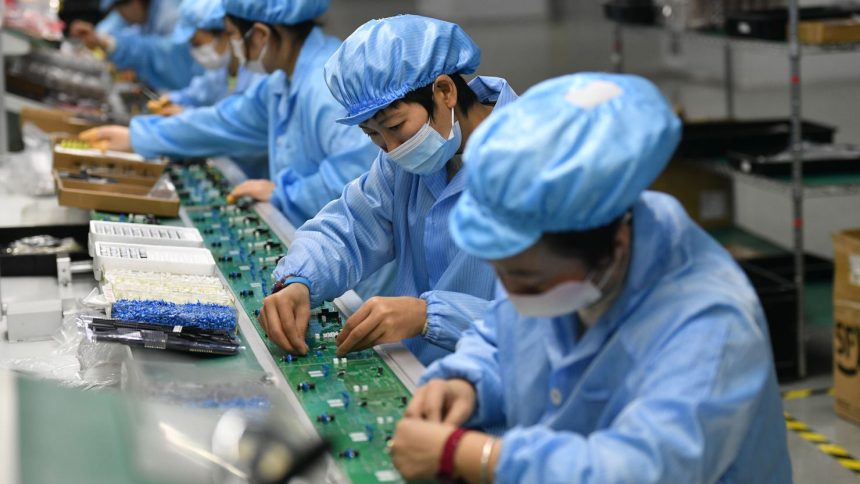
{"x": 285, "y": 317}
{"x": 114, "y": 138}
{"x": 86, "y": 33}
{"x": 448, "y": 401}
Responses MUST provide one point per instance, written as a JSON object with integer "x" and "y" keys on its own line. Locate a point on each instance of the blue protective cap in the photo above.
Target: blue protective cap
{"x": 573, "y": 153}
{"x": 385, "y": 59}
{"x": 106, "y": 5}
{"x": 197, "y": 15}
{"x": 276, "y": 12}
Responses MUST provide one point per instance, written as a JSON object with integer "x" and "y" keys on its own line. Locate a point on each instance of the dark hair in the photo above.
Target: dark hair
{"x": 593, "y": 247}
{"x": 215, "y": 32}
{"x": 300, "y": 31}
{"x": 466, "y": 97}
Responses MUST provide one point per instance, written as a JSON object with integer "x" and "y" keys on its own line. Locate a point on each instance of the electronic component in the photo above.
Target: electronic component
{"x": 160, "y": 337}
{"x": 128, "y": 233}
{"x": 178, "y": 260}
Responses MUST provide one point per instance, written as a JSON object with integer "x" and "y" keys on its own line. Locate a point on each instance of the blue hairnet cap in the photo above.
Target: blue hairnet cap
{"x": 276, "y": 12}
{"x": 385, "y": 59}
{"x": 106, "y": 5}
{"x": 197, "y": 15}
{"x": 573, "y": 153}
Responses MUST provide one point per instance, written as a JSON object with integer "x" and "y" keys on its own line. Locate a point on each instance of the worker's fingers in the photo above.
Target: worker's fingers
{"x": 353, "y": 321}
{"x": 371, "y": 340}
{"x": 287, "y": 314}
{"x": 416, "y": 405}
{"x": 460, "y": 410}
{"x": 362, "y": 330}
{"x": 243, "y": 189}
{"x": 90, "y": 135}
{"x": 434, "y": 400}
{"x": 275, "y": 330}
{"x": 262, "y": 319}
{"x": 103, "y": 145}
{"x": 303, "y": 317}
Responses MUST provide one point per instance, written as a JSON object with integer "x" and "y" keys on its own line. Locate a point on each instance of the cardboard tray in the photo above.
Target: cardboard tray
{"x": 116, "y": 197}
{"x": 55, "y": 121}
{"x": 109, "y": 163}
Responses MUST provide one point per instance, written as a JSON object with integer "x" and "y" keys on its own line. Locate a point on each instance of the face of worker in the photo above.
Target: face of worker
{"x": 394, "y": 125}
{"x": 539, "y": 268}
{"x": 204, "y": 37}
{"x": 133, "y": 12}
{"x": 261, "y": 36}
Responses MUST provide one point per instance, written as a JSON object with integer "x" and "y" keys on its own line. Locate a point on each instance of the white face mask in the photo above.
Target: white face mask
{"x": 238, "y": 48}
{"x": 256, "y": 65}
{"x": 563, "y": 299}
{"x": 208, "y": 57}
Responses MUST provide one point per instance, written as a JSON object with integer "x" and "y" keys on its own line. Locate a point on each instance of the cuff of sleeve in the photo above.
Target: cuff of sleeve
{"x": 138, "y": 132}
{"x": 435, "y": 332}
{"x": 109, "y": 42}
{"x": 283, "y": 278}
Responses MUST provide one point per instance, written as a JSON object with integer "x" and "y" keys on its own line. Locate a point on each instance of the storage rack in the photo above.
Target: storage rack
{"x": 794, "y": 51}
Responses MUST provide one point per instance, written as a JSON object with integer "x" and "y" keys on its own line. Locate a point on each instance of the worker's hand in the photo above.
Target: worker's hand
{"x": 163, "y": 106}
{"x": 259, "y": 190}
{"x": 382, "y": 320}
{"x": 285, "y": 317}
{"x": 107, "y": 138}
{"x": 417, "y": 447}
{"x": 86, "y": 33}
{"x": 448, "y": 401}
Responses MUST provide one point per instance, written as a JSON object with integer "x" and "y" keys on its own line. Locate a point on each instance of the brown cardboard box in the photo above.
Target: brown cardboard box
{"x": 846, "y": 265}
{"x": 120, "y": 197}
{"x": 846, "y": 359}
{"x": 55, "y": 121}
{"x": 834, "y": 31}
{"x": 706, "y": 196}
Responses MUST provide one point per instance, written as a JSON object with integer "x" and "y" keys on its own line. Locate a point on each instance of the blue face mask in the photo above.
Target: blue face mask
{"x": 427, "y": 151}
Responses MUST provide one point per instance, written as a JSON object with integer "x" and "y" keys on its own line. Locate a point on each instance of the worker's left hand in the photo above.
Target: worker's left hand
{"x": 108, "y": 138}
{"x": 382, "y": 320}
{"x": 417, "y": 446}
{"x": 259, "y": 190}
{"x": 86, "y": 33}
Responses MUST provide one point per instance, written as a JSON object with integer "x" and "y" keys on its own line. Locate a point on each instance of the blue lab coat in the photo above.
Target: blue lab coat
{"x": 392, "y": 215}
{"x": 673, "y": 383}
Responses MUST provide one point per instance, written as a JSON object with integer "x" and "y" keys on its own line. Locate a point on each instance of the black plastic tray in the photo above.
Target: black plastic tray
{"x": 714, "y": 139}
{"x": 631, "y": 12}
{"x": 39, "y": 264}
{"x": 761, "y": 165}
{"x": 771, "y": 24}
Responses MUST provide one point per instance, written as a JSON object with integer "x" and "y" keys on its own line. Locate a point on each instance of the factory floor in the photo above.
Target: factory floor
{"x": 814, "y": 415}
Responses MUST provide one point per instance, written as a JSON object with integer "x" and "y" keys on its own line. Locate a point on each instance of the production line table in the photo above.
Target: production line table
{"x": 45, "y": 431}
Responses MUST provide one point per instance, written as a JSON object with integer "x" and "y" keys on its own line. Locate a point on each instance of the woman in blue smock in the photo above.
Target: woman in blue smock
{"x": 400, "y": 79}
{"x": 625, "y": 344}
{"x": 291, "y": 114}
{"x": 138, "y": 35}
{"x": 201, "y": 23}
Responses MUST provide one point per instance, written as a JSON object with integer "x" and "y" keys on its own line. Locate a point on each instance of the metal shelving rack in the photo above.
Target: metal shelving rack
{"x": 795, "y": 51}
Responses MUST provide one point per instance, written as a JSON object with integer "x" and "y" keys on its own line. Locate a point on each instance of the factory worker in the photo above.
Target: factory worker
{"x": 138, "y": 35}
{"x": 292, "y": 114}
{"x": 625, "y": 344}
{"x": 201, "y": 23}
{"x": 400, "y": 79}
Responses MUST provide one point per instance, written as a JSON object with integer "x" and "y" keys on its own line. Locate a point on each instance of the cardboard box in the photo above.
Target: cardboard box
{"x": 706, "y": 196}
{"x": 115, "y": 197}
{"x": 55, "y": 121}
{"x": 846, "y": 262}
{"x": 823, "y": 32}
{"x": 846, "y": 360}
{"x": 109, "y": 163}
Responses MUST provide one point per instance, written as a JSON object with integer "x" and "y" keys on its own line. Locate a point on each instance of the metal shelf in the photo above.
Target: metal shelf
{"x": 720, "y": 39}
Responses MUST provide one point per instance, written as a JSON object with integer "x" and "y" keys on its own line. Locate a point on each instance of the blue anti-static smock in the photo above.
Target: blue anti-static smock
{"x": 311, "y": 156}
{"x": 213, "y": 86}
{"x": 390, "y": 214}
{"x": 149, "y": 49}
{"x": 673, "y": 383}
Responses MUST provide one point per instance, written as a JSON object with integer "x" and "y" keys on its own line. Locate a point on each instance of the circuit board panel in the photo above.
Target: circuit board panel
{"x": 353, "y": 402}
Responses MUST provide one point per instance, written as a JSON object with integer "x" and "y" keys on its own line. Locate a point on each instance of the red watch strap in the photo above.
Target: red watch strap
{"x": 446, "y": 462}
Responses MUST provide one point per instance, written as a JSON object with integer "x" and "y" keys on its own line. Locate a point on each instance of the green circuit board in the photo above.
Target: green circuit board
{"x": 353, "y": 402}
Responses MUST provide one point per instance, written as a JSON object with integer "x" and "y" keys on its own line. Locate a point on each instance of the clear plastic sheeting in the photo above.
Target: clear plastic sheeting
{"x": 29, "y": 172}
{"x": 75, "y": 362}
